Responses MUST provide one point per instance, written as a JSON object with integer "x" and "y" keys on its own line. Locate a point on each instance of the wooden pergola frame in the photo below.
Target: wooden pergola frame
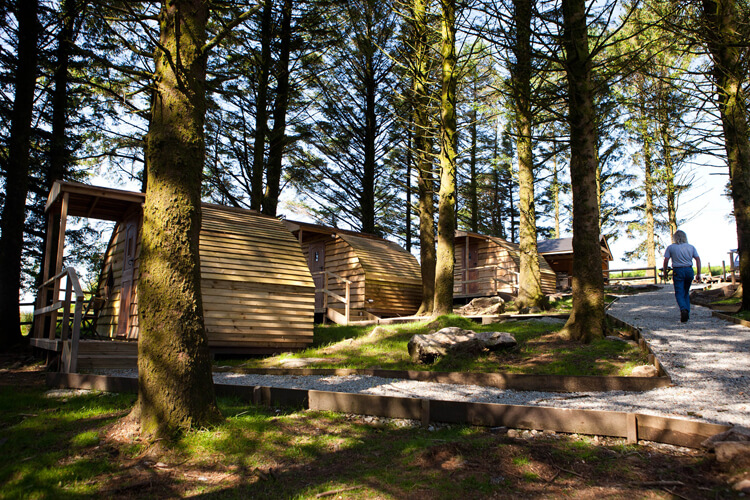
{"x": 76, "y": 200}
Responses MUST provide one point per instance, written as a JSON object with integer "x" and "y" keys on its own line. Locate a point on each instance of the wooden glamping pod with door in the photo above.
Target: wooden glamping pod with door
{"x": 489, "y": 265}
{"x": 366, "y": 275}
{"x": 258, "y": 294}
{"x": 558, "y": 253}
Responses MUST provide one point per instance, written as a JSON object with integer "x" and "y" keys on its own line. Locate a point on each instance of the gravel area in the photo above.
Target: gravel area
{"x": 707, "y": 358}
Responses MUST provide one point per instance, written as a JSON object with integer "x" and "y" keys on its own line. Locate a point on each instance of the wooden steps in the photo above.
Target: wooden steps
{"x": 96, "y": 354}
{"x": 338, "y": 316}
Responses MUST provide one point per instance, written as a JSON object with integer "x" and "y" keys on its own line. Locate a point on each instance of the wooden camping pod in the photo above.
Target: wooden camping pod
{"x": 558, "y": 253}
{"x": 258, "y": 294}
{"x": 489, "y": 265}
{"x": 385, "y": 279}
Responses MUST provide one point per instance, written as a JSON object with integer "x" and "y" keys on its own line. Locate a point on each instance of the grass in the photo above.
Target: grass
{"x": 540, "y": 350}
{"x": 70, "y": 448}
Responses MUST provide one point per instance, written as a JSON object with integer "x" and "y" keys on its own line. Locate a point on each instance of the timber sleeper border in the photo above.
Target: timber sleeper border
{"x": 518, "y": 382}
{"x": 631, "y": 426}
{"x": 731, "y": 319}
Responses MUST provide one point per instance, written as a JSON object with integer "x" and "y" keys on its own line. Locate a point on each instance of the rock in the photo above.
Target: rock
{"x": 483, "y": 306}
{"x": 736, "y": 433}
{"x": 535, "y": 310}
{"x": 645, "y": 371}
{"x": 743, "y": 486}
{"x": 615, "y": 338}
{"x": 732, "y": 451}
{"x": 513, "y": 433}
{"x": 454, "y": 340}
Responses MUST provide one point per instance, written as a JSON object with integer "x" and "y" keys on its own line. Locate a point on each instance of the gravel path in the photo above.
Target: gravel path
{"x": 707, "y": 358}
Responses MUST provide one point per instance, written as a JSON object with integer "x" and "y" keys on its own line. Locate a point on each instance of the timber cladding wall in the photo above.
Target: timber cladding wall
{"x": 385, "y": 278}
{"x": 110, "y": 287}
{"x": 393, "y": 279}
{"x": 487, "y": 258}
{"x": 256, "y": 286}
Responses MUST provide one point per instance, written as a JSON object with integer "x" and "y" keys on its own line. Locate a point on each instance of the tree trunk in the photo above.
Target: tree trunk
{"x": 409, "y": 160}
{"x": 423, "y": 149}
{"x": 367, "y": 199}
{"x": 556, "y": 195}
{"x": 17, "y": 172}
{"x": 261, "y": 111}
{"x": 730, "y": 77}
{"x": 473, "y": 199}
{"x": 668, "y": 168}
{"x": 175, "y": 388}
{"x": 281, "y": 105}
{"x": 648, "y": 180}
{"x": 59, "y": 157}
{"x": 447, "y": 194}
{"x": 586, "y": 320}
{"x": 529, "y": 279}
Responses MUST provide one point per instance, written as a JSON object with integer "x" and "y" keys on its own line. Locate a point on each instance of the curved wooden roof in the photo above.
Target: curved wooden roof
{"x": 242, "y": 245}
{"x": 384, "y": 260}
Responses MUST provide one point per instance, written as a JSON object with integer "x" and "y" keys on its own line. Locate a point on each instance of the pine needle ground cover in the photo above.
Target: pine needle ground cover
{"x": 72, "y": 444}
{"x": 540, "y": 350}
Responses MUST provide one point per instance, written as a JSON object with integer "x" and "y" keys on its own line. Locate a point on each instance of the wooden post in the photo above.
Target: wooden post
{"x": 66, "y": 311}
{"x": 723, "y": 271}
{"x": 632, "y": 428}
{"x": 425, "y": 413}
{"x": 43, "y": 292}
{"x": 325, "y": 289}
{"x": 731, "y": 265}
{"x": 346, "y": 305}
{"x": 466, "y": 267}
{"x": 655, "y": 276}
{"x": 59, "y": 261}
{"x": 73, "y": 363}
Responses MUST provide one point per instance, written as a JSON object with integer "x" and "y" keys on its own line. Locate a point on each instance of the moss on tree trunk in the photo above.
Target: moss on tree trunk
{"x": 729, "y": 54}
{"x": 423, "y": 150}
{"x": 529, "y": 279}
{"x": 586, "y": 320}
{"x": 447, "y": 195}
{"x": 175, "y": 387}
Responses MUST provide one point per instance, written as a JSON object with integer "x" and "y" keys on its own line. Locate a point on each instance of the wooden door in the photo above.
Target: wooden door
{"x": 128, "y": 267}
{"x": 472, "y": 262}
{"x": 316, "y": 261}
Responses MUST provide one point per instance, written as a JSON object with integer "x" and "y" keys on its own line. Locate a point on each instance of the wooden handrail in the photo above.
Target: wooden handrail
{"x": 346, "y": 300}
{"x": 73, "y": 286}
{"x": 494, "y": 279}
{"x": 608, "y": 274}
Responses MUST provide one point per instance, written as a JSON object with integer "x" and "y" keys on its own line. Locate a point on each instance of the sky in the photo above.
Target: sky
{"x": 709, "y": 226}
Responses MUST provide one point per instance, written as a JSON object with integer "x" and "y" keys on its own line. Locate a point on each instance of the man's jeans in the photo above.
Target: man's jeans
{"x": 683, "y": 277}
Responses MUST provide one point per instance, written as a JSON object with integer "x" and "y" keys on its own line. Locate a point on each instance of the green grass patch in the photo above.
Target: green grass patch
{"x": 45, "y": 441}
{"x": 59, "y": 448}
{"x": 540, "y": 350}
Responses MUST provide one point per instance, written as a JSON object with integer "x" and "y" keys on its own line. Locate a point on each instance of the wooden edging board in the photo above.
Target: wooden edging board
{"x": 732, "y": 319}
{"x": 517, "y": 382}
{"x": 631, "y": 426}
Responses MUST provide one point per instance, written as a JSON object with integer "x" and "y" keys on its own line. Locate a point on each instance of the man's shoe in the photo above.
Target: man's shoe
{"x": 684, "y": 315}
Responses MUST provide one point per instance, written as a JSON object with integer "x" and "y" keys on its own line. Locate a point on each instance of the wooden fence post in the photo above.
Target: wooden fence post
{"x": 346, "y": 305}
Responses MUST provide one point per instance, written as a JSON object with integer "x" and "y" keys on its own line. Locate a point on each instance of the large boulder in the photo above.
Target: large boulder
{"x": 483, "y": 306}
{"x": 454, "y": 340}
